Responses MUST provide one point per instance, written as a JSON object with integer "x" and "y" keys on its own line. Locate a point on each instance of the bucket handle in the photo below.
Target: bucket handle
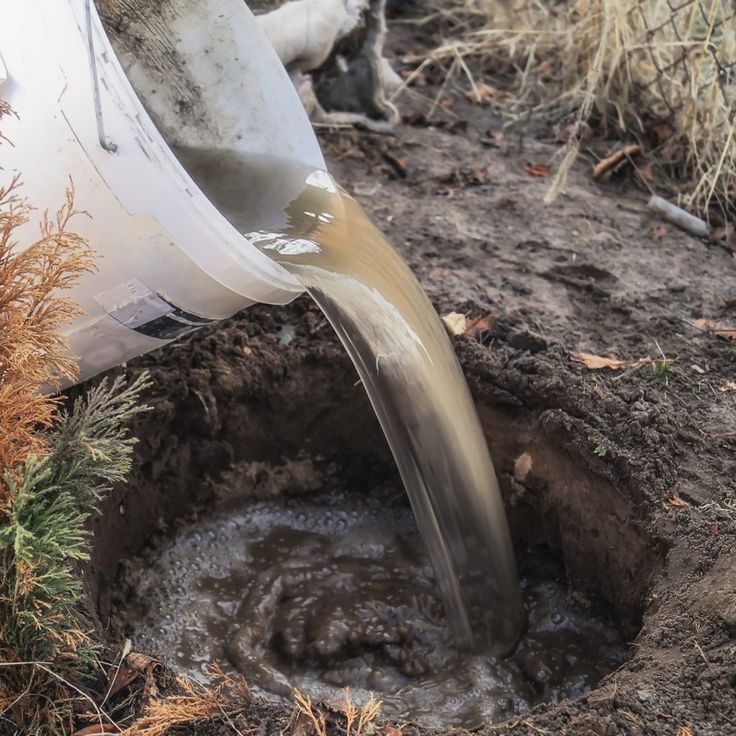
{"x": 106, "y": 144}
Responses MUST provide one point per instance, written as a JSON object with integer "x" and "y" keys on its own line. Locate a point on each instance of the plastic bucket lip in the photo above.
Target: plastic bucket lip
{"x": 238, "y": 265}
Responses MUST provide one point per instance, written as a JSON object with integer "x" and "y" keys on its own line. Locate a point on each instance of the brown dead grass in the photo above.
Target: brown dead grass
{"x": 358, "y": 719}
{"x": 192, "y": 705}
{"x": 660, "y": 72}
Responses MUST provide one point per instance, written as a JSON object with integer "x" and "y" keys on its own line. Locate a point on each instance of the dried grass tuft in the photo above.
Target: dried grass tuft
{"x": 357, "y": 718}
{"x": 192, "y": 705}
{"x": 660, "y": 71}
{"x": 313, "y": 715}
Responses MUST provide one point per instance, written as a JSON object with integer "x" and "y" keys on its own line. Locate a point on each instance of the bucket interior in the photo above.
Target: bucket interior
{"x": 209, "y": 79}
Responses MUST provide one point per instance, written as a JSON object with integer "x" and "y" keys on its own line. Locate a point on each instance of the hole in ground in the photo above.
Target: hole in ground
{"x": 235, "y": 442}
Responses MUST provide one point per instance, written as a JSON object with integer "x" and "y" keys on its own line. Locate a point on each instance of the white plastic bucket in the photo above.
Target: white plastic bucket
{"x": 169, "y": 262}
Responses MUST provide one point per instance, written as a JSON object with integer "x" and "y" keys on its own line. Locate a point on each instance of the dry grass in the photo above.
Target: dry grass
{"x": 660, "y": 71}
{"x": 192, "y": 705}
{"x": 359, "y": 720}
{"x": 314, "y": 716}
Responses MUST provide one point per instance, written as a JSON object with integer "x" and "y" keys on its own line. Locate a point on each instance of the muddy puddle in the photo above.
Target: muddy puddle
{"x": 336, "y": 590}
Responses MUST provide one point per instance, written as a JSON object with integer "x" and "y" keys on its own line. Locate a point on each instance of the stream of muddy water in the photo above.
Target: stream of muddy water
{"x": 349, "y": 590}
{"x": 408, "y": 368}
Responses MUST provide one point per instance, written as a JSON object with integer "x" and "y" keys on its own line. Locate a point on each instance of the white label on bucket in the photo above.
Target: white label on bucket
{"x": 133, "y": 304}
{"x": 3, "y": 72}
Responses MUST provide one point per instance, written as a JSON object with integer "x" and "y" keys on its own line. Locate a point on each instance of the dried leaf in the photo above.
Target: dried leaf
{"x": 483, "y": 93}
{"x": 459, "y": 126}
{"x": 596, "y": 362}
{"x": 455, "y": 323}
{"x": 725, "y": 236}
{"x": 393, "y": 731}
{"x": 683, "y": 731}
{"x": 466, "y": 177}
{"x": 580, "y": 131}
{"x": 398, "y": 165}
{"x": 495, "y": 135}
{"x": 610, "y": 162}
{"x": 522, "y": 466}
{"x": 728, "y": 387}
{"x": 135, "y": 665}
{"x": 478, "y": 176}
{"x": 458, "y": 324}
{"x": 475, "y": 327}
{"x": 150, "y": 689}
{"x": 676, "y": 500}
{"x": 541, "y": 170}
{"x": 715, "y": 328}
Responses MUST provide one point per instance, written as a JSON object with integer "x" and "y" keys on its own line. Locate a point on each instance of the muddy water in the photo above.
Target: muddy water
{"x": 335, "y": 591}
{"x": 406, "y": 363}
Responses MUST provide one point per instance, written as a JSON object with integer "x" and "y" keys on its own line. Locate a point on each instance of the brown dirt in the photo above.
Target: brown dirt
{"x": 610, "y": 450}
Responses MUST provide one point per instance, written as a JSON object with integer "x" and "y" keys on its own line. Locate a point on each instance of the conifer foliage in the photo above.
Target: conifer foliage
{"x": 42, "y": 539}
{"x": 32, "y": 351}
{"x": 56, "y": 465}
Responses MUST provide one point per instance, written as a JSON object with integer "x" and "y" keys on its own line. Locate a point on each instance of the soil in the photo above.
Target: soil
{"x": 627, "y": 476}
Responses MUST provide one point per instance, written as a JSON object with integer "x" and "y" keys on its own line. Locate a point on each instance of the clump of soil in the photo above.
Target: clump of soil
{"x": 337, "y": 591}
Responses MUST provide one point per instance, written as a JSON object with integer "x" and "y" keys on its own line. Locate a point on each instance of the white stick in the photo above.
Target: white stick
{"x": 677, "y": 216}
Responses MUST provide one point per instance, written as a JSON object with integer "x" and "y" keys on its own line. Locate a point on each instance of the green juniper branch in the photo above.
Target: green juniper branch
{"x": 45, "y": 534}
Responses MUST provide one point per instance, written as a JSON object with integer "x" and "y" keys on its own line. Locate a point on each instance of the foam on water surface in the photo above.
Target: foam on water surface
{"x": 338, "y": 591}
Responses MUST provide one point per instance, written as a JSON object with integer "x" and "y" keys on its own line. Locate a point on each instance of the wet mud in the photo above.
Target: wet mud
{"x": 337, "y": 591}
